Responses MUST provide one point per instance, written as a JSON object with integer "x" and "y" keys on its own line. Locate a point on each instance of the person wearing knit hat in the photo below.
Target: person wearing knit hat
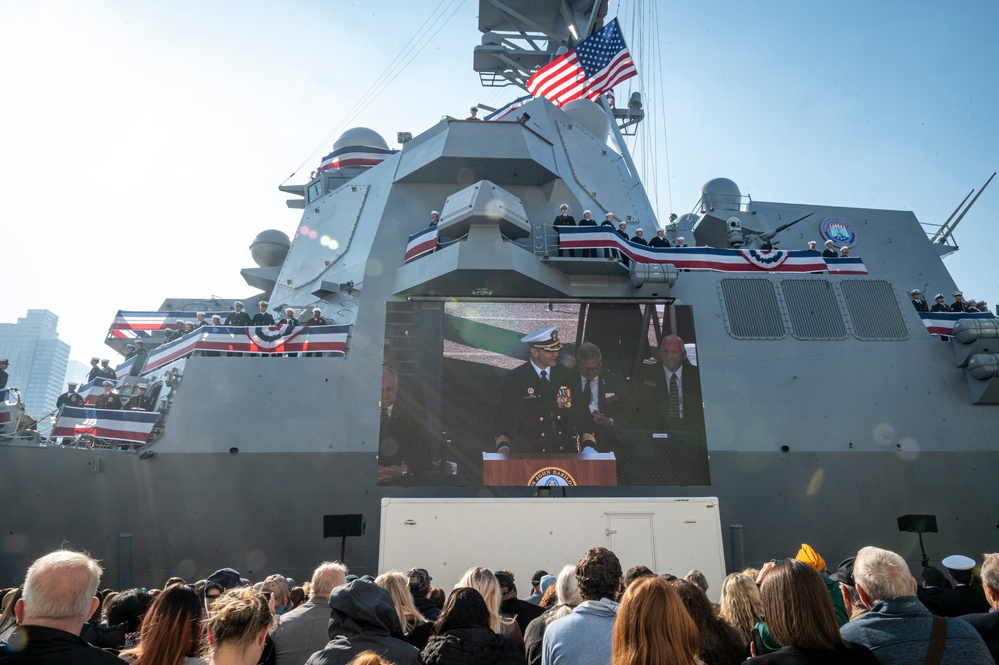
{"x": 808, "y": 555}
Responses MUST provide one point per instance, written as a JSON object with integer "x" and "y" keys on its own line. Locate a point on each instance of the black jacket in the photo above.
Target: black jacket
{"x": 471, "y": 646}
{"x": 49, "y": 646}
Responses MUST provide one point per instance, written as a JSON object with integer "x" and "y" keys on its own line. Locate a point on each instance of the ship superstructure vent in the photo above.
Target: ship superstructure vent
{"x": 751, "y": 309}
{"x": 813, "y": 309}
{"x": 873, "y": 310}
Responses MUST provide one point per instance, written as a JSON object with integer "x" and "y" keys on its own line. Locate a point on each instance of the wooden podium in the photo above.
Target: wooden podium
{"x": 552, "y": 469}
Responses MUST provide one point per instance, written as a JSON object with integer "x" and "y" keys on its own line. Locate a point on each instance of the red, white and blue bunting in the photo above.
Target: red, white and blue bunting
{"x": 90, "y": 390}
{"x": 252, "y": 339}
{"x": 421, "y": 243}
{"x": 709, "y": 258}
{"x": 130, "y": 325}
{"x": 130, "y": 426}
{"x": 942, "y": 323}
{"x": 355, "y": 155}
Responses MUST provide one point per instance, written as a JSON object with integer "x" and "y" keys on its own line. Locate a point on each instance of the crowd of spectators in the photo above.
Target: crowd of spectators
{"x": 790, "y": 611}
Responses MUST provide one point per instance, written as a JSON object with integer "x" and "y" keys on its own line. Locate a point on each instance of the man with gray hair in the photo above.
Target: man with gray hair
{"x": 898, "y": 629}
{"x": 303, "y": 630}
{"x": 58, "y": 598}
{"x": 987, "y": 623}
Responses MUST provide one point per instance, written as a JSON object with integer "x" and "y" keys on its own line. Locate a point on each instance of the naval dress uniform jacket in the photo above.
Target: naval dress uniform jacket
{"x": 659, "y": 242}
{"x": 529, "y": 418}
{"x": 136, "y": 403}
{"x": 237, "y": 319}
{"x": 938, "y": 307}
{"x": 108, "y": 401}
{"x": 72, "y": 399}
{"x": 262, "y": 319}
{"x": 564, "y": 220}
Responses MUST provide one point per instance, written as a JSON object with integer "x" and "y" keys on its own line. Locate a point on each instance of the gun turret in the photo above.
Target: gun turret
{"x": 765, "y": 240}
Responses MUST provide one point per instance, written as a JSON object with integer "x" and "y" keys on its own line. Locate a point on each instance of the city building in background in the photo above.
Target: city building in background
{"x": 38, "y": 359}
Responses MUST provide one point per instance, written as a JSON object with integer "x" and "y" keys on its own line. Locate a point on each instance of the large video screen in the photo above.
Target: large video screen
{"x": 608, "y": 394}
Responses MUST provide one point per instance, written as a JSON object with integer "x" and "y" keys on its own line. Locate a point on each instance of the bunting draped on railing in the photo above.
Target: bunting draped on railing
{"x": 90, "y": 390}
{"x": 130, "y": 426}
{"x": 421, "y": 243}
{"x": 128, "y": 325}
{"x": 252, "y": 339}
{"x": 942, "y": 323}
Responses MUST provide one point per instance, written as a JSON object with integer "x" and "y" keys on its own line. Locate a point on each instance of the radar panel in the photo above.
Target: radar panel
{"x": 751, "y": 309}
{"x": 873, "y": 310}
{"x": 813, "y": 309}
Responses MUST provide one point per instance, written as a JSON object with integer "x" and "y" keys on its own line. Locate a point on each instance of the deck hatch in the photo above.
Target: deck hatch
{"x": 813, "y": 309}
{"x": 751, "y": 309}
{"x": 873, "y": 310}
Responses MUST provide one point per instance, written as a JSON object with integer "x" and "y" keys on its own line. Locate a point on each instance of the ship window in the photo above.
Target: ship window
{"x": 751, "y": 309}
{"x": 873, "y": 310}
{"x": 813, "y": 309}
{"x": 315, "y": 190}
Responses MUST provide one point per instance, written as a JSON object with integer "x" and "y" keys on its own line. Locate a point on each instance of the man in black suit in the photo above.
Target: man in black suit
{"x": 564, "y": 219}
{"x": 672, "y": 389}
{"x": 604, "y": 400}
{"x": 987, "y": 623}
{"x": 263, "y": 317}
{"x": 535, "y": 413}
{"x": 404, "y": 439}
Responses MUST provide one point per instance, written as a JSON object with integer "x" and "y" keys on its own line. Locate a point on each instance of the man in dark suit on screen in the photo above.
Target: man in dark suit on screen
{"x": 671, "y": 389}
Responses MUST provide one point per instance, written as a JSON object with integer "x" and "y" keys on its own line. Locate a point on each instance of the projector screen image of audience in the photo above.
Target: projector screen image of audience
{"x": 598, "y": 394}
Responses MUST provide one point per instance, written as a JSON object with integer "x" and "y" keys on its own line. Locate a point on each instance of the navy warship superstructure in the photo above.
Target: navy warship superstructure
{"x": 829, "y": 408}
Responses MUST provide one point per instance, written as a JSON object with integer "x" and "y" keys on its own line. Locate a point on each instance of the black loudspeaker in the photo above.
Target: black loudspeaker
{"x": 343, "y": 526}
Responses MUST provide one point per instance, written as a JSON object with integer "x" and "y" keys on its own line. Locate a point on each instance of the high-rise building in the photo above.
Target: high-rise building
{"x": 38, "y": 359}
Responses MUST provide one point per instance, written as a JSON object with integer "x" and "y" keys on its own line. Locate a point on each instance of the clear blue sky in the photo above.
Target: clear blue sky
{"x": 143, "y": 142}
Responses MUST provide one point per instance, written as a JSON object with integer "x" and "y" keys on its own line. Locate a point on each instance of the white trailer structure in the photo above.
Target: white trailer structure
{"x": 448, "y": 536}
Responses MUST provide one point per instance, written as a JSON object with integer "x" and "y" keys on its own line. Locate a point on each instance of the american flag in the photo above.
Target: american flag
{"x": 597, "y": 64}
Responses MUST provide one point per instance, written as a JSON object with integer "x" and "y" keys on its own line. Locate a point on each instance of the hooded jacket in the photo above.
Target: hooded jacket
{"x": 472, "y": 645}
{"x": 582, "y": 637}
{"x": 363, "y": 618}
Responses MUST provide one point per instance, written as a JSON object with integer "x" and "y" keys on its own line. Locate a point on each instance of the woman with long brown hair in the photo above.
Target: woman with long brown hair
{"x": 801, "y": 617}
{"x": 653, "y": 627}
{"x": 171, "y": 630}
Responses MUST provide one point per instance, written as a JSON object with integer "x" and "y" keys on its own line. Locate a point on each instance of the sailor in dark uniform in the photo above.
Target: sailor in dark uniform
{"x": 830, "y": 251}
{"x": 958, "y": 305}
{"x": 289, "y": 318}
{"x": 609, "y": 221}
{"x": 239, "y": 317}
{"x": 434, "y": 218}
{"x": 660, "y": 240}
{"x": 70, "y": 398}
{"x": 317, "y": 318}
{"x": 938, "y": 304}
{"x": 564, "y": 219}
{"x": 107, "y": 399}
{"x": 474, "y": 111}
{"x": 201, "y": 320}
{"x": 95, "y": 371}
{"x": 107, "y": 371}
{"x": 140, "y": 355}
{"x": 263, "y": 317}
{"x": 176, "y": 333}
{"x": 139, "y": 402}
{"x": 639, "y": 238}
{"x": 588, "y": 221}
{"x": 622, "y": 230}
{"x": 3, "y": 373}
{"x": 918, "y": 302}
{"x": 535, "y": 413}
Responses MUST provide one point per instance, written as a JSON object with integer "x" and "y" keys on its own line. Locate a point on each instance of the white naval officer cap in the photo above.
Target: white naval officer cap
{"x": 545, "y": 339}
{"x": 958, "y": 562}
{"x": 914, "y": 292}
{"x": 938, "y": 296}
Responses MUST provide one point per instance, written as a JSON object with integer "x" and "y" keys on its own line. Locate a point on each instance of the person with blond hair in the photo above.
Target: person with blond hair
{"x": 484, "y": 581}
{"x": 462, "y": 635}
{"x": 415, "y": 626}
{"x": 237, "y": 627}
{"x": 653, "y": 627}
{"x": 801, "y": 617}
{"x": 741, "y": 605}
{"x": 58, "y": 597}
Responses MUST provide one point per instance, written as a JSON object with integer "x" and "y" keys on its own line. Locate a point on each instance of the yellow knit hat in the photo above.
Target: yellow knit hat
{"x": 811, "y": 557}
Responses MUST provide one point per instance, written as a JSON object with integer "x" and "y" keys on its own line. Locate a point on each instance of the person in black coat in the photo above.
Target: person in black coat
{"x": 958, "y": 305}
{"x": 564, "y": 219}
{"x": 462, "y": 635}
{"x": 107, "y": 399}
{"x": 3, "y": 373}
{"x": 830, "y": 251}
{"x": 263, "y": 317}
{"x": 918, "y": 302}
{"x": 938, "y": 304}
{"x": 639, "y": 238}
{"x": 70, "y": 398}
{"x": 604, "y": 399}
{"x": 404, "y": 448}
{"x": 588, "y": 221}
{"x": 660, "y": 240}
{"x": 239, "y": 317}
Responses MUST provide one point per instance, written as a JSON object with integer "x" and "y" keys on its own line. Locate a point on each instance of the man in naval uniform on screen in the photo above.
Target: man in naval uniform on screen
{"x": 535, "y": 413}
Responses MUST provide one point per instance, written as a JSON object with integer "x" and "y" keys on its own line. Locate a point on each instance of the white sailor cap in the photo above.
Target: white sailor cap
{"x": 681, "y": 238}
{"x": 609, "y": 214}
{"x": 938, "y": 296}
{"x": 180, "y": 320}
{"x": 237, "y": 304}
{"x": 434, "y": 212}
{"x": 316, "y": 310}
{"x": 564, "y": 206}
{"x": 829, "y": 242}
{"x": 143, "y": 386}
{"x": 958, "y": 562}
{"x": 914, "y": 292}
{"x": 545, "y": 339}
{"x": 216, "y": 316}
{"x": 72, "y": 384}
{"x": 811, "y": 242}
{"x": 105, "y": 360}
{"x": 959, "y": 293}
{"x": 201, "y": 314}
{"x": 587, "y": 212}
{"x": 94, "y": 359}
